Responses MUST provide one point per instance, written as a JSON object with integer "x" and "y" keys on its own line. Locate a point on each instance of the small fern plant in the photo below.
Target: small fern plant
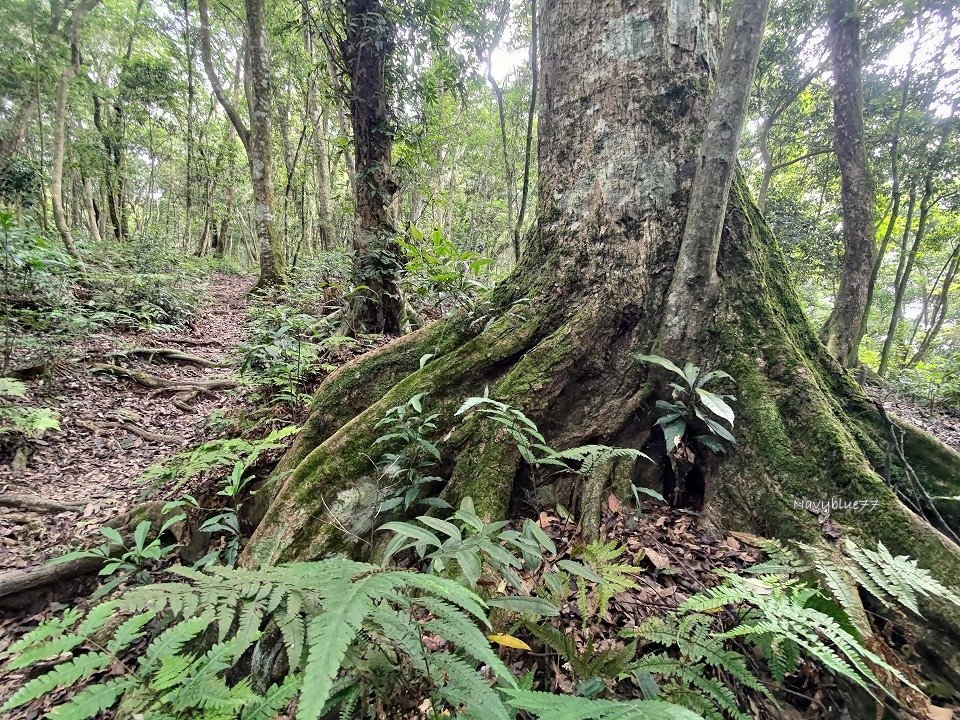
{"x": 410, "y": 457}
{"x": 19, "y": 420}
{"x": 469, "y": 544}
{"x": 334, "y": 618}
{"x": 693, "y": 409}
{"x": 696, "y": 667}
{"x": 591, "y": 666}
{"x": 210, "y": 456}
{"x": 600, "y": 577}
{"x": 533, "y": 448}
{"x": 700, "y": 663}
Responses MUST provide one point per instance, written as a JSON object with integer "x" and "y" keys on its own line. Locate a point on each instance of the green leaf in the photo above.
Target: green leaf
{"x": 580, "y": 569}
{"x": 716, "y": 405}
{"x": 447, "y": 528}
{"x": 534, "y": 529}
{"x": 113, "y": 536}
{"x": 720, "y": 430}
{"x": 672, "y": 431}
{"x": 525, "y": 604}
{"x": 662, "y": 362}
{"x": 413, "y": 531}
{"x": 469, "y": 563}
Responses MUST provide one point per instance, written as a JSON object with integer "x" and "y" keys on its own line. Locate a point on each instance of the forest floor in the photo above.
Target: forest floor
{"x": 113, "y": 428}
{"x": 938, "y": 420}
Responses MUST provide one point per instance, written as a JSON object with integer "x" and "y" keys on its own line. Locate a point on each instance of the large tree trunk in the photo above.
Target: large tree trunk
{"x": 377, "y": 305}
{"x": 847, "y": 323}
{"x": 625, "y": 88}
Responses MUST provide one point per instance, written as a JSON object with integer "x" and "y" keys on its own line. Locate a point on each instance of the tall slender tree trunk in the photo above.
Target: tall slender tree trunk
{"x": 377, "y": 305}
{"x": 258, "y": 138}
{"x": 321, "y": 159}
{"x": 896, "y": 191}
{"x": 528, "y": 138}
{"x": 260, "y": 155}
{"x": 908, "y": 258}
{"x": 322, "y": 180}
{"x": 509, "y": 167}
{"x": 191, "y": 94}
{"x": 695, "y": 281}
{"x": 847, "y": 322}
{"x": 941, "y": 306}
{"x": 59, "y": 127}
{"x": 16, "y": 130}
{"x": 91, "y": 211}
{"x": 111, "y": 179}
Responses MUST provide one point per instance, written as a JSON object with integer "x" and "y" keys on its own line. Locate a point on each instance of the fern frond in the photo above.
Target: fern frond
{"x": 293, "y": 630}
{"x": 93, "y": 700}
{"x": 466, "y": 689}
{"x": 129, "y": 631}
{"x": 546, "y": 706}
{"x": 453, "y": 624}
{"x": 63, "y": 675}
{"x": 171, "y": 641}
{"x": 329, "y": 635}
{"x": 44, "y": 631}
{"x": 44, "y": 650}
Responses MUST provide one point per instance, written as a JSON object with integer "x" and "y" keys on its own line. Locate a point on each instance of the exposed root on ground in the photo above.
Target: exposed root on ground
{"x": 130, "y": 428}
{"x": 35, "y": 503}
{"x": 169, "y": 354}
{"x": 156, "y": 382}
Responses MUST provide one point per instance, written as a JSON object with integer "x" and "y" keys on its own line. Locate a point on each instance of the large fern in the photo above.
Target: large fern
{"x": 201, "y": 628}
{"x": 891, "y": 580}
{"x": 702, "y": 662}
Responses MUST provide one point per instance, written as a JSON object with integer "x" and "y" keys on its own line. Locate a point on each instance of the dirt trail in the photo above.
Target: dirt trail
{"x": 112, "y": 429}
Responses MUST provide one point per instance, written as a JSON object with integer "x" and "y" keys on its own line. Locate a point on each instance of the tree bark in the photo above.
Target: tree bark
{"x": 261, "y": 151}
{"x": 376, "y": 305}
{"x": 91, "y": 211}
{"x": 624, "y": 108}
{"x": 847, "y": 322}
{"x": 59, "y": 127}
{"x": 695, "y": 280}
{"x": 16, "y": 130}
{"x": 257, "y": 139}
